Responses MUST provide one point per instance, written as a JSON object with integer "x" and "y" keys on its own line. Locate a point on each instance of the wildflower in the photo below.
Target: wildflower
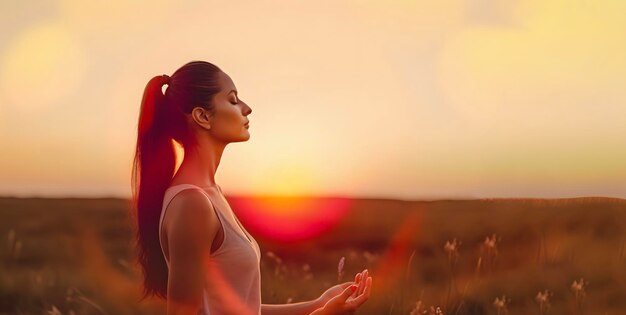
{"x": 434, "y": 311}
{"x": 340, "y": 268}
{"x": 490, "y": 242}
{"x": 452, "y": 249}
{"x": 543, "y": 298}
{"x": 489, "y": 252}
{"x": 579, "y": 286}
{"x": 501, "y": 305}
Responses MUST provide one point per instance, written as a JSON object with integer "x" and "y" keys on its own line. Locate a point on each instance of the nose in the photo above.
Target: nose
{"x": 246, "y": 109}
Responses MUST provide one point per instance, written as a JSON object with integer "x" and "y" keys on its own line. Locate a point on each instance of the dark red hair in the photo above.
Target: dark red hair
{"x": 161, "y": 121}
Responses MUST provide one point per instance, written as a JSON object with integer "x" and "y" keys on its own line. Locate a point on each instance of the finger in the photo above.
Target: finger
{"x": 357, "y": 278}
{"x": 357, "y": 302}
{"x": 363, "y": 297}
{"x": 362, "y": 283}
{"x": 368, "y": 288}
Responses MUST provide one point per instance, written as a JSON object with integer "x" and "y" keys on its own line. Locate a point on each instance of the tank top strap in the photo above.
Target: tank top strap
{"x": 169, "y": 194}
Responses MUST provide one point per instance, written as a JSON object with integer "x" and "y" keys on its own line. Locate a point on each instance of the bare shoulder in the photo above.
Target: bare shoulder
{"x": 191, "y": 218}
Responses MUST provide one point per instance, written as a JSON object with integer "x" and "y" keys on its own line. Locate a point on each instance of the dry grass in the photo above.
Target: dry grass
{"x": 496, "y": 256}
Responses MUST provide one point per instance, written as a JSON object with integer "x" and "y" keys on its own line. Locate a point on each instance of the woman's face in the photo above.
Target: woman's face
{"x": 229, "y": 117}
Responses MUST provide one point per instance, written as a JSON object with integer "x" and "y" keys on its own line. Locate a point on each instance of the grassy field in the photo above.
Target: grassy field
{"x": 489, "y": 256}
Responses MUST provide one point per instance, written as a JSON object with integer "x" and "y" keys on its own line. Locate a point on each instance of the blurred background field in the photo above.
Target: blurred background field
{"x": 484, "y": 256}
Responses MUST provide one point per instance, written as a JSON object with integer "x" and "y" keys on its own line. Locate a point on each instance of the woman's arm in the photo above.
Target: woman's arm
{"x": 317, "y": 306}
{"x": 191, "y": 228}
{"x": 300, "y": 308}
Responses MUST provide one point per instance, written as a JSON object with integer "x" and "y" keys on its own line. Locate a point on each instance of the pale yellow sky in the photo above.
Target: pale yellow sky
{"x": 394, "y": 99}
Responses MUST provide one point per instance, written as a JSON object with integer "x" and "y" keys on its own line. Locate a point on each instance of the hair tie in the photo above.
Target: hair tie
{"x": 166, "y": 79}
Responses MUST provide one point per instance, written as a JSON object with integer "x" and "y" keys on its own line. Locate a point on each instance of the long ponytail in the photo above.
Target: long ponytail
{"x": 153, "y": 167}
{"x": 161, "y": 122}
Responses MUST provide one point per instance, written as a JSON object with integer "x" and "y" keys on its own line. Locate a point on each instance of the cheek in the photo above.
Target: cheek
{"x": 229, "y": 119}
{"x": 232, "y": 117}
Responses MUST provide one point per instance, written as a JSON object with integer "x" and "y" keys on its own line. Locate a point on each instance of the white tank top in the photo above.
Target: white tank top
{"x": 233, "y": 284}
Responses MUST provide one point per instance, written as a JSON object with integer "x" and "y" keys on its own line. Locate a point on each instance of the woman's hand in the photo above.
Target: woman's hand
{"x": 345, "y": 298}
{"x": 337, "y": 289}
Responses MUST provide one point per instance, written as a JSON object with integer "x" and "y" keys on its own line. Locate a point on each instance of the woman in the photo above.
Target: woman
{"x": 192, "y": 249}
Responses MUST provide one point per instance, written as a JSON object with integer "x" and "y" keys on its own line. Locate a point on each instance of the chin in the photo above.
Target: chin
{"x": 245, "y": 138}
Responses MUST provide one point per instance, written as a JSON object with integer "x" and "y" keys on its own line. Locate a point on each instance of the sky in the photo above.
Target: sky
{"x": 374, "y": 99}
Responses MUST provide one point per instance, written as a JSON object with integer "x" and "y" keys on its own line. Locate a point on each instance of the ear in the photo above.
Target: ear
{"x": 202, "y": 117}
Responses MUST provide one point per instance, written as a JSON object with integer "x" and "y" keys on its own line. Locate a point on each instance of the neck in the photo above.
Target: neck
{"x": 200, "y": 163}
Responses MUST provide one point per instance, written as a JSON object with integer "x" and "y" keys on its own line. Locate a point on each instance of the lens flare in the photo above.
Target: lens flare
{"x": 290, "y": 218}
